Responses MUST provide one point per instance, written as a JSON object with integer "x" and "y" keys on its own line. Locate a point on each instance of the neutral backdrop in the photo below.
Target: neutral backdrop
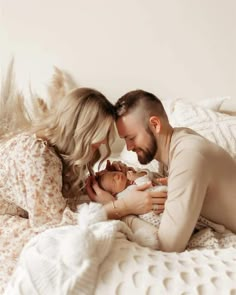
{"x": 177, "y": 48}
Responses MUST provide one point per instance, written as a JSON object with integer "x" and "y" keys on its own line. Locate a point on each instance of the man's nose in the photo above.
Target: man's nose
{"x": 129, "y": 146}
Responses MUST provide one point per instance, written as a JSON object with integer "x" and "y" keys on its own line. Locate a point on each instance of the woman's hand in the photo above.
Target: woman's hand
{"x": 95, "y": 193}
{"x": 118, "y": 166}
{"x": 139, "y": 201}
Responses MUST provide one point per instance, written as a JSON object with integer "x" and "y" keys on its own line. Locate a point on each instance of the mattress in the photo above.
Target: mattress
{"x": 132, "y": 269}
{"x": 100, "y": 257}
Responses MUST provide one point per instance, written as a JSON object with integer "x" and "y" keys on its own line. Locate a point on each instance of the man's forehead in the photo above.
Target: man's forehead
{"x": 127, "y": 124}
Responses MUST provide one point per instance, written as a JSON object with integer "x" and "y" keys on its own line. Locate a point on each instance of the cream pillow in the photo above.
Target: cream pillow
{"x": 214, "y": 104}
{"x": 217, "y": 127}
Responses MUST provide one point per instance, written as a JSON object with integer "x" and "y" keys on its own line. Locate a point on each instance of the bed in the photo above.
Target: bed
{"x": 103, "y": 257}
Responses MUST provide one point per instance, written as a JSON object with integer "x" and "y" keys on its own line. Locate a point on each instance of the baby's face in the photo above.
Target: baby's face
{"x": 114, "y": 181}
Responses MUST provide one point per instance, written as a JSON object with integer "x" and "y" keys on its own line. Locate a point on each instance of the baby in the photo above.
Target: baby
{"x": 146, "y": 232}
{"x": 118, "y": 183}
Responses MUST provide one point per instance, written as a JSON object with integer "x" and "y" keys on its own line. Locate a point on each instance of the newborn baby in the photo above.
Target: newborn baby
{"x": 117, "y": 183}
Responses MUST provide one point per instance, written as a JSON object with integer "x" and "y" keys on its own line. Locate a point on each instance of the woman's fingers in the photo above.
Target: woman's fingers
{"x": 118, "y": 166}
{"x": 95, "y": 193}
{"x": 131, "y": 169}
{"x": 108, "y": 166}
{"x": 93, "y": 188}
{"x": 89, "y": 188}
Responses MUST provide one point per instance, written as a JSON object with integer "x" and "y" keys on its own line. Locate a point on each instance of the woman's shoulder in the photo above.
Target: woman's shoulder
{"x": 29, "y": 145}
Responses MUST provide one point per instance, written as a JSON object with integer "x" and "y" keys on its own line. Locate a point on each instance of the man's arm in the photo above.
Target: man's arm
{"x": 187, "y": 186}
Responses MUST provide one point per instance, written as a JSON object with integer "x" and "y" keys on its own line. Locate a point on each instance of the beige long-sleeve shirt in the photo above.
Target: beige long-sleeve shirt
{"x": 202, "y": 180}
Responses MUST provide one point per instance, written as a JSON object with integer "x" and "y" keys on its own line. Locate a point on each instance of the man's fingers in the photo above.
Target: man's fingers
{"x": 157, "y": 209}
{"x": 158, "y": 201}
{"x": 158, "y": 195}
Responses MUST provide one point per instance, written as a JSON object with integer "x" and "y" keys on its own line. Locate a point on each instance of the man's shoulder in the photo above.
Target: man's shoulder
{"x": 189, "y": 147}
{"x": 188, "y": 140}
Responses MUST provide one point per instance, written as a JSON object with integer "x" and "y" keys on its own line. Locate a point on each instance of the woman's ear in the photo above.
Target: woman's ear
{"x": 155, "y": 123}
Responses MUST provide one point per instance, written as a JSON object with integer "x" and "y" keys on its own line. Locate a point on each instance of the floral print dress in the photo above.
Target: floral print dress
{"x": 31, "y": 199}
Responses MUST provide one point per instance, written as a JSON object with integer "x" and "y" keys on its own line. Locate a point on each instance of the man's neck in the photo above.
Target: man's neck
{"x": 163, "y": 142}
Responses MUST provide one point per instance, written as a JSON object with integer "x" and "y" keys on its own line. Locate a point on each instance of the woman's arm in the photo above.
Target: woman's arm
{"x": 137, "y": 201}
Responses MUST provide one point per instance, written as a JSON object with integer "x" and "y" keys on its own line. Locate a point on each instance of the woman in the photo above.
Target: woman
{"x": 44, "y": 164}
{"x": 48, "y": 162}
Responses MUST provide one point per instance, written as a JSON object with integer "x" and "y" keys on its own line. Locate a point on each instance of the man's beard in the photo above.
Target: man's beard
{"x": 148, "y": 154}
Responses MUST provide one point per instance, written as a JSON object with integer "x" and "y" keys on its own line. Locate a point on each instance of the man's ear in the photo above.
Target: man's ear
{"x": 155, "y": 124}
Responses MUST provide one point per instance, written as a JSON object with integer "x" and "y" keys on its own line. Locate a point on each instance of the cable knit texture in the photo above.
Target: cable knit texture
{"x": 65, "y": 260}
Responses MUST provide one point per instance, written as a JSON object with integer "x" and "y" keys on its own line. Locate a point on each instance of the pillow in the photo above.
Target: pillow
{"x": 217, "y": 127}
{"x": 215, "y": 104}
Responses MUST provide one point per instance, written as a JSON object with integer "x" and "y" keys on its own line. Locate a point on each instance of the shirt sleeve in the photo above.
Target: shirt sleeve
{"x": 39, "y": 187}
{"x": 187, "y": 187}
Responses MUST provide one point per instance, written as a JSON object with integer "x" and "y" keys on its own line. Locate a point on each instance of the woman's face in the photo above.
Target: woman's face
{"x": 97, "y": 145}
{"x": 114, "y": 181}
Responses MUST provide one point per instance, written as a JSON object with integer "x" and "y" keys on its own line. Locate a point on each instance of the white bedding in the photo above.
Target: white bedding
{"x": 207, "y": 267}
{"x": 132, "y": 269}
{"x": 96, "y": 258}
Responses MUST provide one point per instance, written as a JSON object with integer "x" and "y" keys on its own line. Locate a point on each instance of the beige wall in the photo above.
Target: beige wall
{"x": 177, "y": 48}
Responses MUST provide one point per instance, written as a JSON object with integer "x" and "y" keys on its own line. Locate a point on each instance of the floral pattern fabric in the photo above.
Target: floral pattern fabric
{"x": 31, "y": 199}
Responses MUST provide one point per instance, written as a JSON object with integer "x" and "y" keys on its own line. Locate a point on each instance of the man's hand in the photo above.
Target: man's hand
{"x": 139, "y": 201}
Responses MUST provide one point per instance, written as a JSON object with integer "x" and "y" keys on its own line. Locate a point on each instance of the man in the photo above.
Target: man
{"x": 201, "y": 175}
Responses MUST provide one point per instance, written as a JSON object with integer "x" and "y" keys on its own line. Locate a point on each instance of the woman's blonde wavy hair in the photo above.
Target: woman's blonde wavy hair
{"x": 79, "y": 120}
{"x": 72, "y": 125}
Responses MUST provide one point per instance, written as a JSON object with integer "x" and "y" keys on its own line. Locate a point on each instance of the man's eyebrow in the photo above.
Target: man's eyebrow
{"x": 126, "y": 136}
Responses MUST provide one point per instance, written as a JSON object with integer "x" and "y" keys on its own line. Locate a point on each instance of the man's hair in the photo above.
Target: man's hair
{"x": 139, "y": 99}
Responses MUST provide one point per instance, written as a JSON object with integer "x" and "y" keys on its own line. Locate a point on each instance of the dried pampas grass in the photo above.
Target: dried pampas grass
{"x": 60, "y": 84}
{"x": 15, "y": 115}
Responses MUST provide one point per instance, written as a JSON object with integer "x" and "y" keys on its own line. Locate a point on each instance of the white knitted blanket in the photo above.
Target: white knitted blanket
{"x": 70, "y": 259}
{"x": 66, "y": 260}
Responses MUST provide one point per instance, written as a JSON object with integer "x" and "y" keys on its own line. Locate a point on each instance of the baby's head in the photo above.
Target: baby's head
{"x": 113, "y": 182}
